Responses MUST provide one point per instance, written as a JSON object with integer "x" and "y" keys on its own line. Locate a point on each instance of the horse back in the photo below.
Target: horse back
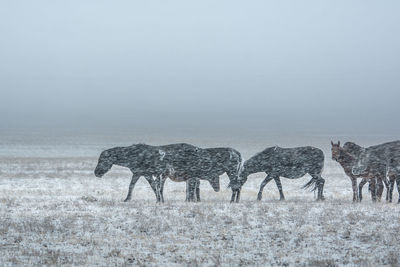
{"x": 300, "y": 155}
{"x": 387, "y": 152}
{"x": 225, "y": 158}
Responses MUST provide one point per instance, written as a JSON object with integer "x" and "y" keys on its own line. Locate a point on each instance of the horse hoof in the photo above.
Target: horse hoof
{"x": 126, "y": 200}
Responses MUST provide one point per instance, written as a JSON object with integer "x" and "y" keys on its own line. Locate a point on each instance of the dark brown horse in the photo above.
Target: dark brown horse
{"x": 375, "y": 174}
{"x": 387, "y": 154}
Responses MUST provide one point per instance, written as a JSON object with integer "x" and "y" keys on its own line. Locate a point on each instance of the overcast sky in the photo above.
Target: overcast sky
{"x": 284, "y": 65}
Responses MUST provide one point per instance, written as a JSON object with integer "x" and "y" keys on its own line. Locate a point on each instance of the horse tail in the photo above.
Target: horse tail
{"x": 311, "y": 183}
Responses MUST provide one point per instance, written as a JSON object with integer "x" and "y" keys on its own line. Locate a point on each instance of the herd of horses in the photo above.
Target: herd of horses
{"x": 378, "y": 165}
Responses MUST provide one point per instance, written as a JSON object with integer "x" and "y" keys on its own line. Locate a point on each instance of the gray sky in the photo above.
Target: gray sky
{"x": 283, "y": 65}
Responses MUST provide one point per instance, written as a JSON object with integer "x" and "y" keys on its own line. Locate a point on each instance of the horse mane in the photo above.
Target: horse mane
{"x": 268, "y": 150}
{"x": 353, "y": 148}
{"x": 139, "y": 144}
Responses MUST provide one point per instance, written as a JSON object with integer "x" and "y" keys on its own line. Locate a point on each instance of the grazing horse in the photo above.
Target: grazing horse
{"x": 388, "y": 155}
{"x": 290, "y": 163}
{"x": 141, "y": 159}
{"x": 347, "y": 157}
{"x": 213, "y": 163}
{"x": 148, "y": 161}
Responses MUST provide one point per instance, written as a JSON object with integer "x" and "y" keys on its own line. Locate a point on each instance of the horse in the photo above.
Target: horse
{"x": 291, "y": 163}
{"x": 388, "y": 155}
{"x": 213, "y": 163}
{"x": 356, "y": 150}
{"x": 142, "y": 160}
{"x": 148, "y": 161}
{"x": 347, "y": 157}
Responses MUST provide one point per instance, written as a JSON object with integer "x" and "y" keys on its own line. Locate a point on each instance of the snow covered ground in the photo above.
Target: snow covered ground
{"x": 54, "y": 211}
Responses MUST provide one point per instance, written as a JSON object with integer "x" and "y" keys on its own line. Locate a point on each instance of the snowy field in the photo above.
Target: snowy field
{"x": 54, "y": 211}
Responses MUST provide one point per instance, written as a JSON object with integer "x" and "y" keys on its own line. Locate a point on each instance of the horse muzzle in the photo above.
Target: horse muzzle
{"x": 98, "y": 174}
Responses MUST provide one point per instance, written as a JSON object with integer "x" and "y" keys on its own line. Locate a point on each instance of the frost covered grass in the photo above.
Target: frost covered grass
{"x": 56, "y": 212}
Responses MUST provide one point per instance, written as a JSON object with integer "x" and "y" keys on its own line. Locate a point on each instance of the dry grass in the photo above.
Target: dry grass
{"x": 66, "y": 216}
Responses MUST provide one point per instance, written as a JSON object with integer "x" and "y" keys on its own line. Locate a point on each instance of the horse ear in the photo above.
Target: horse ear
{"x": 338, "y": 143}
{"x": 332, "y": 143}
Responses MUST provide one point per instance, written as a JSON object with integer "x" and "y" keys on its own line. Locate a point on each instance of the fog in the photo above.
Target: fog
{"x": 317, "y": 66}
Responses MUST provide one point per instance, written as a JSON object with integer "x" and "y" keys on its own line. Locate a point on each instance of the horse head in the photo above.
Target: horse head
{"x": 336, "y": 150}
{"x": 214, "y": 182}
{"x": 104, "y": 164}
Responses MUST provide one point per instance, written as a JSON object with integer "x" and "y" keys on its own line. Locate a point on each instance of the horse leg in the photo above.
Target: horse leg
{"x": 189, "y": 196}
{"x": 391, "y": 187}
{"x": 320, "y": 185}
{"x": 237, "y": 195}
{"x": 162, "y": 182}
{"x": 232, "y": 182}
{"x": 373, "y": 189}
{"x": 131, "y": 186}
{"x": 233, "y": 196}
{"x": 386, "y": 183}
{"x": 354, "y": 186}
{"x": 198, "y": 190}
{"x": 398, "y": 185}
{"x": 392, "y": 179}
{"x": 192, "y": 188}
{"x": 279, "y": 185}
{"x": 360, "y": 187}
{"x": 263, "y": 184}
{"x": 153, "y": 185}
{"x": 379, "y": 190}
{"x": 187, "y": 191}
{"x": 158, "y": 186}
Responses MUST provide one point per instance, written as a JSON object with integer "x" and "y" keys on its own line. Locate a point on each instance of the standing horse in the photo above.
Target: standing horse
{"x": 212, "y": 163}
{"x": 290, "y": 163}
{"x": 356, "y": 151}
{"x": 141, "y": 159}
{"x": 347, "y": 157}
{"x": 148, "y": 161}
{"x": 388, "y": 155}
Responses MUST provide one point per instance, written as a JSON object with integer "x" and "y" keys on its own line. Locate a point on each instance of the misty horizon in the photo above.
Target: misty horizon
{"x": 284, "y": 66}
